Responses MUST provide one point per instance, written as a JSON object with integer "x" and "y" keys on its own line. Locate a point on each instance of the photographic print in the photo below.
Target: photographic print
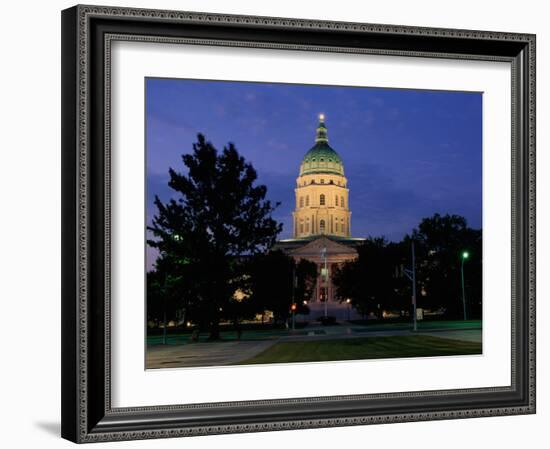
{"x": 312, "y": 199}
{"x": 308, "y": 223}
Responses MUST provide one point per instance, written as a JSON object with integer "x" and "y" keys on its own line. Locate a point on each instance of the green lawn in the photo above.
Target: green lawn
{"x": 364, "y": 348}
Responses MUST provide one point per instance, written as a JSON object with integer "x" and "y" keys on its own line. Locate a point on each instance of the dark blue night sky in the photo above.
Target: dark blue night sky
{"x": 407, "y": 153}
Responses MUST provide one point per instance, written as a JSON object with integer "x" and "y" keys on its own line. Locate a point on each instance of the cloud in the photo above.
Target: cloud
{"x": 377, "y": 101}
{"x": 250, "y": 97}
{"x": 275, "y": 145}
{"x": 369, "y": 118}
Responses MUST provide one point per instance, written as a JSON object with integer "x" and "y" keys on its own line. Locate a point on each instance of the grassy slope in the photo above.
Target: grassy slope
{"x": 364, "y": 348}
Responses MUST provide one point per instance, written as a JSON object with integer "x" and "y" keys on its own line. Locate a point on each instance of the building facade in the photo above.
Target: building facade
{"x": 322, "y": 222}
{"x": 322, "y": 195}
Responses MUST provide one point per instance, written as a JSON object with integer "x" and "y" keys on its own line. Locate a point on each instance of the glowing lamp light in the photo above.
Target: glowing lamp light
{"x": 293, "y": 307}
{"x": 322, "y": 117}
{"x": 465, "y": 255}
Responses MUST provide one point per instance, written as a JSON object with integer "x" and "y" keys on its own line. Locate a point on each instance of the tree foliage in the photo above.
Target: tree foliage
{"x": 217, "y": 215}
{"x": 277, "y": 281}
{"x": 164, "y": 297}
{"x": 375, "y": 280}
{"x": 371, "y": 281}
{"x": 441, "y": 240}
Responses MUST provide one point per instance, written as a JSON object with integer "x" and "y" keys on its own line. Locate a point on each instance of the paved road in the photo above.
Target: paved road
{"x": 233, "y": 352}
{"x": 204, "y": 354}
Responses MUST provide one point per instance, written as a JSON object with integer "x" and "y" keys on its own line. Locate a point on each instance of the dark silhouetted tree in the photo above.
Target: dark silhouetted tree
{"x": 376, "y": 276}
{"x": 167, "y": 296}
{"x": 440, "y": 241}
{"x": 305, "y": 280}
{"x": 277, "y": 281}
{"x": 370, "y": 281}
{"x": 217, "y": 214}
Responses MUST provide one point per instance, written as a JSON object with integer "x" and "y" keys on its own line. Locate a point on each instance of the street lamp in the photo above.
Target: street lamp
{"x": 348, "y": 302}
{"x": 464, "y": 257}
{"x": 293, "y": 310}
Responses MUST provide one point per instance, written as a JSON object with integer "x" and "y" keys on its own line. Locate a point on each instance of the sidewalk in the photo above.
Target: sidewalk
{"x": 232, "y": 352}
{"x": 204, "y": 354}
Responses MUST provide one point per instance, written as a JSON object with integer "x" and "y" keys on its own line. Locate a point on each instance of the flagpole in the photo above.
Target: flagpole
{"x": 413, "y": 285}
{"x": 324, "y": 252}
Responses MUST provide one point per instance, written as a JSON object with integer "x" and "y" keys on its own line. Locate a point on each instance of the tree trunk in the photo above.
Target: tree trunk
{"x": 164, "y": 339}
{"x": 237, "y": 326}
{"x": 214, "y": 331}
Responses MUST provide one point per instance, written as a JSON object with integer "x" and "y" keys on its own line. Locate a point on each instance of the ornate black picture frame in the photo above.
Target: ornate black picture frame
{"x": 87, "y": 34}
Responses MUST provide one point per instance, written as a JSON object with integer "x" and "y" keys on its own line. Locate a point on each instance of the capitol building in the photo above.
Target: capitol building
{"x": 322, "y": 221}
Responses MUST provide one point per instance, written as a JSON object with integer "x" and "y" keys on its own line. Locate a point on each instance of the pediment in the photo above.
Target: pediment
{"x": 315, "y": 248}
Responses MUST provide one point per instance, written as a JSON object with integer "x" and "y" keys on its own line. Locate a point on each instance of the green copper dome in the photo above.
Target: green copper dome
{"x": 322, "y": 158}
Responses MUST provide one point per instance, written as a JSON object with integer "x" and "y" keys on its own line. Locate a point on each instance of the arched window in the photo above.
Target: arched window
{"x": 301, "y": 228}
{"x": 307, "y": 225}
{"x": 342, "y": 201}
{"x": 307, "y": 200}
{"x": 322, "y": 226}
{"x": 301, "y": 201}
{"x": 322, "y": 199}
{"x": 336, "y": 200}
